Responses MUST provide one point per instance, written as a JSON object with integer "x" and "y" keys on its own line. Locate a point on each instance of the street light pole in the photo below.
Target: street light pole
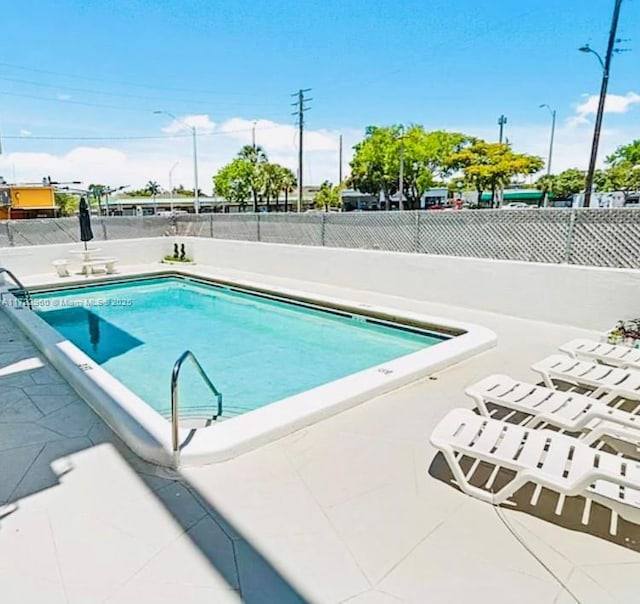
{"x": 606, "y": 65}
{"x": 553, "y": 130}
{"x": 171, "y": 185}
{"x": 196, "y": 191}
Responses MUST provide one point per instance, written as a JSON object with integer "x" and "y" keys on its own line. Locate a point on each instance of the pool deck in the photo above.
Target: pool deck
{"x": 356, "y": 508}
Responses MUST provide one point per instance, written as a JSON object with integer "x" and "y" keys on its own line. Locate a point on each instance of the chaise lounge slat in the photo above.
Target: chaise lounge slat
{"x": 609, "y": 354}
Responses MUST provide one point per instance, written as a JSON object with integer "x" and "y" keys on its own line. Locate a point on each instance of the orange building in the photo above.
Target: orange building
{"x": 27, "y": 201}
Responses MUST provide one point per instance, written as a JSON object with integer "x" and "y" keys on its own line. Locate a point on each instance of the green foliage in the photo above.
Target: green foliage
{"x": 233, "y": 182}
{"x": 375, "y": 166}
{"x": 488, "y": 166}
{"x": 172, "y": 258}
{"x": 328, "y": 196}
{"x": 627, "y": 154}
{"x": 67, "y": 203}
{"x": 251, "y": 175}
{"x": 563, "y": 185}
{"x": 256, "y": 158}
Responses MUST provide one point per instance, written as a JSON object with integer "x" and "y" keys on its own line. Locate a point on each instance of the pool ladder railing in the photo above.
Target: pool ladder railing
{"x": 22, "y": 289}
{"x": 187, "y": 354}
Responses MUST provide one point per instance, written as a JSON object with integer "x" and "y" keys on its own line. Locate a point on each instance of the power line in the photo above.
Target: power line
{"x": 125, "y": 95}
{"x": 127, "y": 137}
{"x": 120, "y": 82}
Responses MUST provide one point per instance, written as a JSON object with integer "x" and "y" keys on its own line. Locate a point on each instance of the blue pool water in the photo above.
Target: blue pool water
{"x": 255, "y": 350}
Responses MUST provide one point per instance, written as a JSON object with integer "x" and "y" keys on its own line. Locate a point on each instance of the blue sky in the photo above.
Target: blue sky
{"x": 96, "y": 68}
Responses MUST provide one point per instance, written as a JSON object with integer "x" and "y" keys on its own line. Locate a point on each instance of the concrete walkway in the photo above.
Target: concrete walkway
{"x": 357, "y": 508}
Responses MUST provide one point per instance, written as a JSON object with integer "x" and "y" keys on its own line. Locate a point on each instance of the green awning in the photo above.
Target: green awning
{"x": 517, "y": 195}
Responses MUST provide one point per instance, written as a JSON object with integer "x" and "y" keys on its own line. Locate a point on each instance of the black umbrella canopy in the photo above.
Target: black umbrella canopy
{"x": 86, "y": 234}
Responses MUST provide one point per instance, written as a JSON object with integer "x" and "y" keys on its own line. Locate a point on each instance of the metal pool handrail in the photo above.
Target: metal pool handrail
{"x": 174, "y": 393}
{"x": 25, "y": 291}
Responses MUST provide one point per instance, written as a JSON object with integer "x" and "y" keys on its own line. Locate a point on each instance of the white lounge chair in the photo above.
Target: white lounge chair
{"x": 547, "y": 459}
{"x": 601, "y": 352}
{"x": 611, "y": 381}
{"x": 568, "y": 411}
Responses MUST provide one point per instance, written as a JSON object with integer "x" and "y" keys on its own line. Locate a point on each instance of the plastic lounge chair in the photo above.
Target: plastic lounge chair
{"x": 568, "y": 411}
{"x": 558, "y": 462}
{"x": 601, "y": 352}
{"x": 612, "y": 381}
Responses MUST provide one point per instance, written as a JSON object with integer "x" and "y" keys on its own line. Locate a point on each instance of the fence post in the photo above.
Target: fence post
{"x": 257, "y": 226}
{"x": 10, "y": 234}
{"x": 567, "y": 249}
{"x": 323, "y": 218}
{"x": 416, "y": 243}
{"x": 211, "y": 225}
{"x": 104, "y": 228}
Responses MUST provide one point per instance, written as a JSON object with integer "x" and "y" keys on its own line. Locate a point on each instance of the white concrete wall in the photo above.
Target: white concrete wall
{"x": 589, "y": 297}
{"x": 593, "y": 298}
{"x": 37, "y": 259}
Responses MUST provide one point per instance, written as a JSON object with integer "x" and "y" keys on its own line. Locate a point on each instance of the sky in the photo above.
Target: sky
{"x": 80, "y": 81}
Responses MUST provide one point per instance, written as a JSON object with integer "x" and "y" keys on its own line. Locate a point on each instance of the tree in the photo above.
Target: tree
{"x": 67, "y": 203}
{"x": 487, "y": 166}
{"x": 233, "y": 182}
{"x": 97, "y": 191}
{"x": 289, "y": 184}
{"x": 255, "y": 157}
{"x": 629, "y": 154}
{"x": 563, "y": 185}
{"x": 375, "y": 167}
{"x": 153, "y": 188}
{"x": 272, "y": 179}
{"x": 327, "y": 196}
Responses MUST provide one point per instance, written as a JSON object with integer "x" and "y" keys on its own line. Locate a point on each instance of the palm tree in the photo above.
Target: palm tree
{"x": 256, "y": 156}
{"x": 289, "y": 184}
{"x": 153, "y": 188}
{"x": 97, "y": 191}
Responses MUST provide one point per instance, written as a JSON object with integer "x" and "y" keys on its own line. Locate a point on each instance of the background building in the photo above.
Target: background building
{"x": 27, "y": 201}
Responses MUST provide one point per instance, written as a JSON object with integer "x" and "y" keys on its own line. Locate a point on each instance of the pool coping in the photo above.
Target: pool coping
{"x": 148, "y": 433}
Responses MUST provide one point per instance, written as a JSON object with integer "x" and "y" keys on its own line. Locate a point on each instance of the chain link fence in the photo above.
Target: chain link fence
{"x": 591, "y": 237}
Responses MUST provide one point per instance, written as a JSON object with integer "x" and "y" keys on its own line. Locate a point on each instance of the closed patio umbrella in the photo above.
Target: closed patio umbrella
{"x": 86, "y": 234}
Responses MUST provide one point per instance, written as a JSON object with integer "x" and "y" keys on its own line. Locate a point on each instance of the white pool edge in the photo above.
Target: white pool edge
{"x": 148, "y": 434}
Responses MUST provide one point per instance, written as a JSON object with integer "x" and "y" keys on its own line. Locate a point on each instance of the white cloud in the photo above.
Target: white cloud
{"x": 63, "y": 97}
{"x": 25, "y": 132}
{"x": 279, "y": 137}
{"x": 202, "y": 123}
{"x": 614, "y": 103}
{"x": 134, "y": 163}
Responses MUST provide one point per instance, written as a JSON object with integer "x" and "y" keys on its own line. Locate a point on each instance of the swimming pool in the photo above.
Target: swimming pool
{"x": 350, "y": 353}
{"x": 256, "y": 350}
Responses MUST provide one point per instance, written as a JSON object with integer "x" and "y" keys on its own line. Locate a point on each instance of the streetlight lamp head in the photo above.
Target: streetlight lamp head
{"x": 585, "y": 48}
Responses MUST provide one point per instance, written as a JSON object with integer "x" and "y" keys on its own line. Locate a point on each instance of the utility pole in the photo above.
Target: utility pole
{"x": 401, "y": 179}
{"x": 603, "y": 94}
{"x": 340, "y": 162}
{"x": 253, "y": 136}
{"x": 502, "y": 120}
{"x": 301, "y": 108}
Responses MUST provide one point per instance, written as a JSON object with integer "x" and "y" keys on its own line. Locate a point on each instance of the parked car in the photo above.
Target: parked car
{"x": 517, "y": 205}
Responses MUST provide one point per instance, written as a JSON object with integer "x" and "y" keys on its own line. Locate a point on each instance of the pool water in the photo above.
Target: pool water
{"x": 255, "y": 350}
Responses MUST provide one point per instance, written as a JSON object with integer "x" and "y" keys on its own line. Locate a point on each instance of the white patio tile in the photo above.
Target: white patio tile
{"x": 201, "y": 557}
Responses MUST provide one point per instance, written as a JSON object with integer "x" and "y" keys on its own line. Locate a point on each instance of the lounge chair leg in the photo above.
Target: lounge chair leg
{"x": 613, "y": 524}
